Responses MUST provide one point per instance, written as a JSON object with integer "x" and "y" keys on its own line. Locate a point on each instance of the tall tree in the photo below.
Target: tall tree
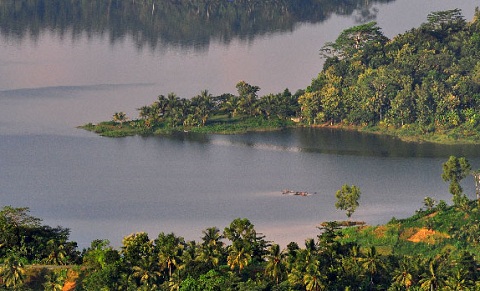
{"x": 443, "y": 23}
{"x": 211, "y": 251}
{"x": 135, "y": 247}
{"x": 99, "y": 254}
{"x": 434, "y": 277}
{"x": 248, "y": 98}
{"x": 169, "y": 248}
{"x": 275, "y": 267}
{"x": 454, "y": 170}
{"x": 361, "y": 42}
{"x": 241, "y": 232}
{"x": 347, "y": 199}
{"x": 238, "y": 257}
{"x": 404, "y": 274}
{"x": 147, "y": 272}
{"x": 203, "y": 106}
{"x": 172, "y": 105}
{"x": 372, "y": 264}
{"x": 310, "y": 106}
{"x": 313, "y": 278}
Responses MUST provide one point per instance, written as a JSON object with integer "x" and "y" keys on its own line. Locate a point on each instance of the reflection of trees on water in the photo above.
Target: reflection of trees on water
{"x": 347, "y": 142}
{"x": 162, "y": 23}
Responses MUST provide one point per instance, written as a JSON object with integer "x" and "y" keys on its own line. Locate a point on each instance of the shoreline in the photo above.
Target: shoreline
{"x": 405, "y": 134}
{"x": 409, "y": 133}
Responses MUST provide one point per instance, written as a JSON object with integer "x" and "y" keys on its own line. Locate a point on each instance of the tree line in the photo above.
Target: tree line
{"x": 173, "y": 111}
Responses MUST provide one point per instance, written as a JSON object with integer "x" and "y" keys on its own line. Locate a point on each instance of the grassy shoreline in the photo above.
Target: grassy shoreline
{"x": 410, "y": 133}
{"x": 455, "y": 136}
{"x": 215, "y": 126}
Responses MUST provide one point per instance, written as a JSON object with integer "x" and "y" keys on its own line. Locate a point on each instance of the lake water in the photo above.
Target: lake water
{"x": 57, "y": 76}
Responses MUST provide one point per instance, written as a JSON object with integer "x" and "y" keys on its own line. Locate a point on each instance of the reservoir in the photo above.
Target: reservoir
{"x": 58, "y": 74}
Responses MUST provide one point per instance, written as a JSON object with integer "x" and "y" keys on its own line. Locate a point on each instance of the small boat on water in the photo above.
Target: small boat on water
{"x": 296, "y": 193}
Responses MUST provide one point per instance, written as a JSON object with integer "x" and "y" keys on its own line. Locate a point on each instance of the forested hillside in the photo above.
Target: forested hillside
{"x": 436, "y": 249}
{"x": 427, "y": 78}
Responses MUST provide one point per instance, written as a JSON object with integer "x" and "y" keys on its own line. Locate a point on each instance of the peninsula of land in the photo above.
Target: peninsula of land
{"x": 422, "y": 85}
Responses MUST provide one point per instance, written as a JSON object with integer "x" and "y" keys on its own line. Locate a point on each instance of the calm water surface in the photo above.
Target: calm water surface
{"x": 107, "y": 188}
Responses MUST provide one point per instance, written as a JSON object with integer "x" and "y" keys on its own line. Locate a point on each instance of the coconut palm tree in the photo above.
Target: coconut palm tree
{"x": 275, "y": 267}
{"x": 58, "y": 254}
{"x": 120, "y": 117}
{"x": 203, "y": 106}
{"x": 459, "y": 282}
{"x": 403, "y": 275}
{"x": 351, "y": 267}
{"x": 299, "y": 259}
{"x": 212, "y": 237}
{"x": 181, "y": 112}
{"x": 172, "y": 101}
{"x": 12, "y": 272}
{"x": 145, "y": 112}
{"x": 147, "y": 272}
{"x": 267, "y": 105}
{"x": 160, "y": 107}
{"x": 313, "y": 278}
{"x": 432, "y": 279}
{"x": 211, "y": 251}
{"x": 310, "y": 251}
{"x": 291, "y": 255}
{"x": 238, "y": 257}
{"x": 230, "y": 105}
{"x": 372, "y": 263}
{"x": 170, "y": 249}
{"x": 190, "y": 254}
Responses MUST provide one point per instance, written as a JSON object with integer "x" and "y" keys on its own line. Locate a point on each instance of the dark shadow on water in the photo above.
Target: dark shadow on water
{"x": 366, "y": 144}
{"x": 347, "y": 142}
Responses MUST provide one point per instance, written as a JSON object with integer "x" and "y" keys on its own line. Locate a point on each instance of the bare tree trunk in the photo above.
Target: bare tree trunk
{"x": 476, "y": 176}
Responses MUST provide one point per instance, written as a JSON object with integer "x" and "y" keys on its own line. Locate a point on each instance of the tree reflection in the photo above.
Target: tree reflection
{"x": 184, "y": 24}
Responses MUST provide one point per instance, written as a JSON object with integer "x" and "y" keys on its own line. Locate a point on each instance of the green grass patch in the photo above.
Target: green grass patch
{"x": 435, "y": 230}
{"x": 112, "y": 129}
{"x": 216, "y": 125}
{"x": 223, "y": 124}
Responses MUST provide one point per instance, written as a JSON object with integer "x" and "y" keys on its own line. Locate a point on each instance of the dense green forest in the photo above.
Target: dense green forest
{"x": 422, "y": 84}
{"x": 435, "y": 249}
{"x": 426, "y": 79}
{"x": 163, "y": 23}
